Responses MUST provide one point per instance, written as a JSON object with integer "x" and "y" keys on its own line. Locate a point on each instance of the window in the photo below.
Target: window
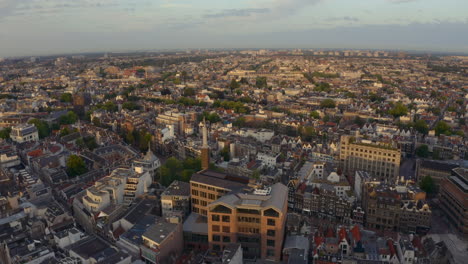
{"x": 270, "y": 252}
{"x": 226, "y": 218}
{"x": 215, "y": 228}
{"x": 271, "y": 232}
{"x": 226, "y": 239}
{"x": 215, "y": 218}
{"x": 270, "y": 243}
{"x": 216, "y": 238}
{"x": 226, "y": 229}
{"x": 195, "y": 192}
{"x": 271, "y": 222}
{"x": 216, "y": 247}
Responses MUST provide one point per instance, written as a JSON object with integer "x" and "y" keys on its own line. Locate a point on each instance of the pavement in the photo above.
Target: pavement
{"x": 456, "y": 246}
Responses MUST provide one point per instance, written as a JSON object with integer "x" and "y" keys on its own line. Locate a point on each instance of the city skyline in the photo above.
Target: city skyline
{"x": 32, "y": 27}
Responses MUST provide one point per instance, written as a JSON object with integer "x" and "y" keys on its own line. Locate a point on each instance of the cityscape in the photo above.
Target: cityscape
{"x": 177, "y": 153}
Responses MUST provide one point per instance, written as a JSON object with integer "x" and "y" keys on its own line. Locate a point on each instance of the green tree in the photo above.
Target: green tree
{"x": 322, "y": 87}
{"x": 76, "y": 166}
{"x": 328, "y": 103}
{"x": 421, "y": 127}
{"x": 189, "y": 92}
{"x": 43, "y": 128}
{"x": 5, "y": 133}
{"x": 66, "y": 97}
{"x": 315, "y": 115}
{"x": 427, "y": 184}
{"x": 225, "y": 153}
{"x": 442, "y": 128}
{"x": 422, "y": 151}
{"x": 90, "y": 142}
{"x": 130, "y": 106}
{"x": 233, "y": 85}
{"x": 239, "y": 122}
{"x": 96, "y": 121}
{"x": 359, "y": 121}
{"x": 256, "y": 174}
{"x": 261, "y": 82}
{"x": 69, "y": 118}
{"x": 398, "y": 110}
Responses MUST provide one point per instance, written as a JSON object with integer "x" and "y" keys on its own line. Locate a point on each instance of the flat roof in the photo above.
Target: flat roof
{"x": 160, "y": 231}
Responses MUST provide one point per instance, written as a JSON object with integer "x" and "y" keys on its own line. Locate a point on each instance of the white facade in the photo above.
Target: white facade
{"x": 24, "y": 133}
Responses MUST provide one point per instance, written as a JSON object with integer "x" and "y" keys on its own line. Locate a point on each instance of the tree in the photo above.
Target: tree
{"x": 261, "y": 82}
{"x": 5, "y": 133}
{"x": 233, "y": 85}
{"x": 225, "y": 153}
{"x": 427, "y": 184}
{"x": 359, "y": 121}
{"x": 256, "y": 174}
{"x": 398, "y": 110}
{"x": 442, "y": 128}
{"x": 43, "y": 128}
{"x": 239, "y": 122}
{"x": 96, "y": 121}
{"x": 68, "y": 119}
{"x": 76, "y": 166}
{"x": 421, "y": 127}
{"x": 422, "y": 151}
{"x": 322, "y": 87}
{"x": 66, "y": 98}
{"x": 315, "y": 115}
{"x": 189, "y": 92}
{"x": 130, "y": 106}
{"x": 328, "y": 103}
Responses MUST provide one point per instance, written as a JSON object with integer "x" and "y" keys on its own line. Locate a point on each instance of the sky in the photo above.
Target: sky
{"x": 43, "y": 27}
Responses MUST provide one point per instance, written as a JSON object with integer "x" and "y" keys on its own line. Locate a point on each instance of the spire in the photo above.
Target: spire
{"x": 205, "y": 150}
{"x": 205, "y": 134}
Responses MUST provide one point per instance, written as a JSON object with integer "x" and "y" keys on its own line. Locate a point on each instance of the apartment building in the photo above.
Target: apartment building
{"x": 122, "y": 186}
{"x": 436, "y": 169}
{"x": 162, "y": 242}
{"x": 24, "y": 133}
{"x": 381, "y": 161}
{"x": 454, "y": 198}
{"x": 176, "y": 198}
{"x": 400, "y": 207}
{"x": 255, "y": 219}
{"x": 208, "y": 186}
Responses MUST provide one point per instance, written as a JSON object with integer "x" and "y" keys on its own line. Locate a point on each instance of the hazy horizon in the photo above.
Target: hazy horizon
{"x": 50, "y": 27}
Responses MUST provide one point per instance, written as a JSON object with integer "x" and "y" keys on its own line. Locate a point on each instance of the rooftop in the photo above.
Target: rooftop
{"x": 159, "y": 231}
{"x": 177, "y": 188}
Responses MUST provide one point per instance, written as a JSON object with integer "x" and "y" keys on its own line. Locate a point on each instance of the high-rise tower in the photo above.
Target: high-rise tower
{"x": 205, "y": 150}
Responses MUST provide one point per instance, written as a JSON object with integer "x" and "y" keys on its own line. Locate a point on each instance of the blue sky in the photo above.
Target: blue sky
{"x": 36, "y": 27}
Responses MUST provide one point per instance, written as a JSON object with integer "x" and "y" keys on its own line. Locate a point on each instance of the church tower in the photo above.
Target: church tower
{"x": 205, "y": 150}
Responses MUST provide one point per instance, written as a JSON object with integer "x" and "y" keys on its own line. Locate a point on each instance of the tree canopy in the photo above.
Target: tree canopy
{"x": 422, "y": 151}
{"x": 442, "y": 128}
{"x": 328, "y": 103}
{"x": 5, "y": 133}
{"x": 69, "y": 118}
{"x": 398, "y": 110}
{"x": 76, "y": 166}
{"x": 421, "y": 126}
{"x": 427, "y": 184}
{"x": 174, "y": 169}
{"x": 43, "y": 128}
{"x": 66, "y": 98}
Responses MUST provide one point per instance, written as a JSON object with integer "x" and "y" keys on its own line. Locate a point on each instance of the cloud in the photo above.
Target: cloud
{"x": 345, "y": 19}
{"x": 238, "y": 12}
{"x": 401, "y": 1}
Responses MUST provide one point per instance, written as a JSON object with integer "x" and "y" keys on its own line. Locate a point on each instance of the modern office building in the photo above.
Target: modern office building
{"x": 454, "y": 198}
{"x": 208, "y": 186}
{"x": 255, "y": 219}
{"x": 380, "y": 160}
